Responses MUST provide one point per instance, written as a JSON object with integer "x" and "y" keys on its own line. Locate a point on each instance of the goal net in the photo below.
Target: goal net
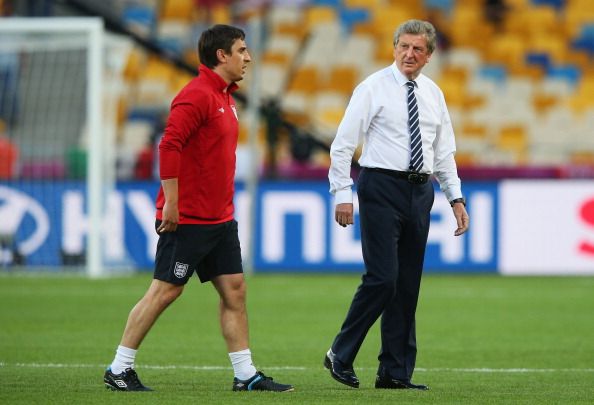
{"x": 58, "y": 83}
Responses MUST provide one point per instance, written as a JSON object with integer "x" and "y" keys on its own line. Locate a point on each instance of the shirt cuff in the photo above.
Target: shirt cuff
{"x": 453, "y": 194}
{"x": 343, "y": 196}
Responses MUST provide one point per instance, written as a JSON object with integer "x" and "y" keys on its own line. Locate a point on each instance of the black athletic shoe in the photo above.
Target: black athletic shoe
{"x": 259, "y": 382}
{"x": 126, "y": 381}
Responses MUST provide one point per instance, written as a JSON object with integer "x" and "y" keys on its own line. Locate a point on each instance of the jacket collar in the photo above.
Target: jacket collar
{"x": 215, "y": 80}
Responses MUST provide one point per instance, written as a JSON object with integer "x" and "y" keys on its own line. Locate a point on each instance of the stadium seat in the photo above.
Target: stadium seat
{"x": 280, "y": 15}
{"x": 569, "y": 73}
{"x": 273, "y": 79}
{"x": 350, "y": 17}
{"x": 585, "y": 40}
{"x": 320, "y": 50}
{"x": 508, "y": 50}
{"x": 140, "y": 19}
{"x": 445, "y": 6}
{"x": 361, "y": 45}
{"x": 558, "y": 4}
{"x": 554, "y": 46}
{"x": 177, "y": 10}
{"x": 464, "y": 57}
{"x": 583, "y": 97}
{"x": 319, "y": 15}
{"x": 369, "y": 4}
{"x": 295, "y": 106}
{"x": 513, "y": 138}
{"x": 328, "y": 3}
{"x": 342, "y": 79}
{"x": 507, "y": 90}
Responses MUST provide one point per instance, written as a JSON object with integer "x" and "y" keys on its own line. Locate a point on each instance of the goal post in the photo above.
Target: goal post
{"x": 59, "y": 99}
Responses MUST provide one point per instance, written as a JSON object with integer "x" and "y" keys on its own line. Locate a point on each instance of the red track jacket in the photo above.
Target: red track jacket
{"x": 198, "y": 148}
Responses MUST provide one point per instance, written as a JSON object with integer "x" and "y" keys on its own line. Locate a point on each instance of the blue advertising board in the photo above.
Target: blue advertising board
{"x": 293, "y": 230}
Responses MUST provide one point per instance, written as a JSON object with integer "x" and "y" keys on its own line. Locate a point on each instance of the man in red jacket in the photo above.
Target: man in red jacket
{"x": 197, "y": 232}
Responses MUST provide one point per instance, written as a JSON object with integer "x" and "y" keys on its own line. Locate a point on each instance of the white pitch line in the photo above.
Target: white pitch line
{"x": 291, "y": 368}
{"x": 507, "y": 370}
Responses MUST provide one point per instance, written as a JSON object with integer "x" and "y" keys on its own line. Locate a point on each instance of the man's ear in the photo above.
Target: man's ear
{"x": 221, "y": 56}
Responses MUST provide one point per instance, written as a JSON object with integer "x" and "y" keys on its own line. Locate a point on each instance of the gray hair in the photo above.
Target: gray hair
{"x": 418, "y": 27}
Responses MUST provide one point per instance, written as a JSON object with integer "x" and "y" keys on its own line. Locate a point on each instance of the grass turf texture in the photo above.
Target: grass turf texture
{"x": 482, "y": 339}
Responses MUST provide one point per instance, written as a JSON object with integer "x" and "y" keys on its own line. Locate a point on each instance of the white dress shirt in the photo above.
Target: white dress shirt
{"x": 378, "y": 114}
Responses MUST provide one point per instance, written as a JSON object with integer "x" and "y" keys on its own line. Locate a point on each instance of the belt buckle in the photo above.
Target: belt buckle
{"x": 415, "y": 178}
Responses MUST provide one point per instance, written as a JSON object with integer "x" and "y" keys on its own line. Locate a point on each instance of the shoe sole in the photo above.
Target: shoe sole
{"x": 111, "y": 387}
{"x": 287, "y": 390}
{"x": 328, "y": 366}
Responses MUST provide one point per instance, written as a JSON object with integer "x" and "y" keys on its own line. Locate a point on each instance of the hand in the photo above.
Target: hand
{"x": 170, "y": 218}
{"x": 462, "y": 218}
{"x": 343, "y": 214}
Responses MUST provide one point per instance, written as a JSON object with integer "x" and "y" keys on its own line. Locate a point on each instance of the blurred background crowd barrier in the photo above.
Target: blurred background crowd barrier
{"x": 518, "y": 76}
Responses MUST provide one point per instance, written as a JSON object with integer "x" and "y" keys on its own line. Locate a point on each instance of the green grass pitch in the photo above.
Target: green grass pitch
{"x": 482, "y": 340}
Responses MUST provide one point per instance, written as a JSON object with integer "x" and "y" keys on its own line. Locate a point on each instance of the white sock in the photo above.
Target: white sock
{"x": 124, "y": 359}
{"x": 242, "y": 364}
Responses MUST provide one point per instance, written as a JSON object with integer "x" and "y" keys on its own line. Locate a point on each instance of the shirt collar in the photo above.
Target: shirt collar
{"x": 400, "y": 78}
{"x": 216, "y": 81}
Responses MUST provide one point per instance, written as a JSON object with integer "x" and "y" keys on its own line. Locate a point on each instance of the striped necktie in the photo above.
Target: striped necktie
{"x": 416, "y": 146}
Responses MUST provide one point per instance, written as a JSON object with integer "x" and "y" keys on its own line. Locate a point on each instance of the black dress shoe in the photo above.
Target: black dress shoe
{"x": 342, "y": 374}
{"x": 392, "y": 383}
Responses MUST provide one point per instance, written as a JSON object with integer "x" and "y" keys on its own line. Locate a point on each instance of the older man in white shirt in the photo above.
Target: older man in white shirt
{"x": 402, "y": 118}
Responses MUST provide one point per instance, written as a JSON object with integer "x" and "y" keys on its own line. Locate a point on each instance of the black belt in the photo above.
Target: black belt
{"x": 411, "y": 177}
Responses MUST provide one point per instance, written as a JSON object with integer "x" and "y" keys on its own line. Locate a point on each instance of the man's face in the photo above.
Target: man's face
{"x": 234, "y": 65}
{"x": 411, "y": 54}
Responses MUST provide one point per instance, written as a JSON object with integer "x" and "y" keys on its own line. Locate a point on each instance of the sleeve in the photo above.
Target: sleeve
{"x": 354, "y": 124}
{"x": 445, "y": 169}
{"x": 184, "y": 119}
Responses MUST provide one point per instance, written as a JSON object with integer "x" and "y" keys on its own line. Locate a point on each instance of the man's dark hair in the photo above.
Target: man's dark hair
{"x": 217, "y": 37}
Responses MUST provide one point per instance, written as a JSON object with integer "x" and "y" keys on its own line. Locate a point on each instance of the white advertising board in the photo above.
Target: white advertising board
{"x": 546, "y": 227}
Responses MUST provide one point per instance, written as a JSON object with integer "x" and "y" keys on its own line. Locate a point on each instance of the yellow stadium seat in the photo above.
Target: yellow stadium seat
{"x": 512, "y": 138}
{"x": 543, "y": 102}
{"x": 453, "y": 84}
{"x": 582, "y": 99}
{"x": 388, "y": 18}
{"x": 191, "y": 57}
{"x": 553, "y": 45}
{"x": 413, "y": 6}
{"x": 468, "y": 28}
{"x": 296, "y": 30}
{"x": 517, "y": 4}
{"x": 317, "y": 15}
{"x": 585, "y": 158}
{"x": 133, "y": 65}
{"x": 342, "y": 79}
{"x": 221, "y": 15}
{"x": 179, "y": 80}
{"x": 506, "y": 49}
{"x": 157, "y": 69}
{"x": 178, "y": 9}
{"x": 275, "y": 57}
{"x": 586, "y": 5}
{"x": 465, "y": 159}
{"x": 575, "y": 17}
{"x": 368, "y": 4}
{"x": 474, "y": 130}
{"x": 306, "y": 79}
{"x": 533, "y": 21}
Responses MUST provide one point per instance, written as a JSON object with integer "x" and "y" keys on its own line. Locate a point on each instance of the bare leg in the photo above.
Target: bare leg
{"x": 233, "y": 314}
{"x": 144, "y": 314}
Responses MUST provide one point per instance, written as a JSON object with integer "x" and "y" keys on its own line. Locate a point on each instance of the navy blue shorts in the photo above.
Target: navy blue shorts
{"x": 208, "y": 250}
